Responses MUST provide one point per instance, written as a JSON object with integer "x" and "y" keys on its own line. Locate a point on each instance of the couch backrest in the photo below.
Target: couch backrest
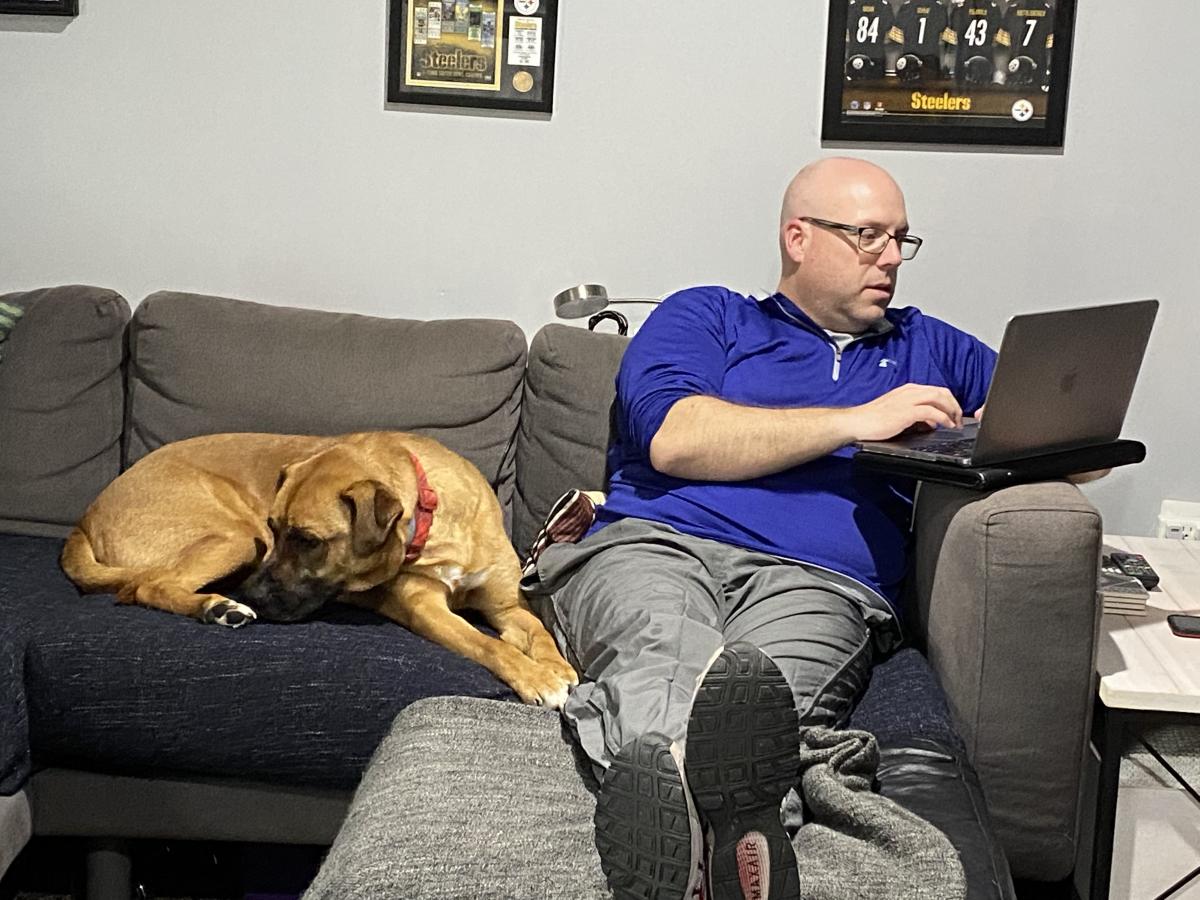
{"x": 60, "y": 404}
{"x": 197, "y": 364}
{"x": 569, "y": 390}
{"x": 200, "y": 365}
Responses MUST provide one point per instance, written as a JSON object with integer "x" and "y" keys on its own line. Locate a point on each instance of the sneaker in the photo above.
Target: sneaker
{"x": 647, "y": 830}
{"x": 743, "y": 755}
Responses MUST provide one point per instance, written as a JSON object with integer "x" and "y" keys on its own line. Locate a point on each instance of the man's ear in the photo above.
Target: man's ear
{"x": 373, "y": 511}
{"x": 794, "y": 238}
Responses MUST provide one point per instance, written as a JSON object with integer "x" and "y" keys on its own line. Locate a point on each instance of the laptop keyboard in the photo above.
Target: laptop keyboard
{"x": 938, "y": 442}
{"x": 958, "y": 447}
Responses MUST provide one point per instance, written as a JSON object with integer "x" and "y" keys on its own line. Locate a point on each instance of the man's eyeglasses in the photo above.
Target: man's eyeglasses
{"x": 872, "y": 239}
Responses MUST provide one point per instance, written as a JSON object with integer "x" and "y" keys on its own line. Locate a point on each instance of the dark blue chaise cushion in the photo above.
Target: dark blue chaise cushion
{"x": 124, "y": 689}
{"x": 127, "y": 689}
{"x": 905, "y": 702}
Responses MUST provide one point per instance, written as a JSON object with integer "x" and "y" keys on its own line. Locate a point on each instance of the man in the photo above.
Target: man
{"x": 742, "y": 573}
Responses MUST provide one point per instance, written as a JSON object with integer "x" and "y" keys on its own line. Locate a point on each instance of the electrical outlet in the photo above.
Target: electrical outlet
{"x": 1179, "y": 520}
{"x": 1178, "y": 531}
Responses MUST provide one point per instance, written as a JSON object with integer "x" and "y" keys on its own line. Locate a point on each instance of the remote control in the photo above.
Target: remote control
{"x": 1135, "y": 565}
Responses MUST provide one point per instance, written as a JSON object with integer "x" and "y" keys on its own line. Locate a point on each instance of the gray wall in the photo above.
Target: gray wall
{"x": 245, "y": 149}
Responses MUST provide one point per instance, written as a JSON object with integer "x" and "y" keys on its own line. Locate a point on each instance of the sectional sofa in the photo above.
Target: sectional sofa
{"x": 119, "y": 722}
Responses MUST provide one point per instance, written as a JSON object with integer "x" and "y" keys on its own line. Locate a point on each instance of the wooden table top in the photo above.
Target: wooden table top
{"x": 1141, "y": 663}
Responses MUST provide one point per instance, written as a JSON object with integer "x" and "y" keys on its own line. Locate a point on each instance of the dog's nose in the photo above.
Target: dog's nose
{"x": 277, "y": 601}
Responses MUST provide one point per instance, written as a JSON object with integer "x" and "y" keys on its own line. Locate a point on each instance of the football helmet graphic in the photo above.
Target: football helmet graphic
{"x": 1022, "y": 70}
{"x": 978, "y": 70}
{"x": 909, "y": 66}
{"x": 860, "y": 67}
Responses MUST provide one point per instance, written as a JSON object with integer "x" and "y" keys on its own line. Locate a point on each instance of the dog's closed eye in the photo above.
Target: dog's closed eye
{"x": 303, "y": 540}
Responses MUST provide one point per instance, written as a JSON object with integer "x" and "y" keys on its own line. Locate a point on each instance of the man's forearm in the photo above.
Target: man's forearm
{"x": 707, "y": 439}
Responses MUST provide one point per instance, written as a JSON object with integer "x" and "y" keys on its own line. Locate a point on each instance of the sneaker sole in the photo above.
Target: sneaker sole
{"x": 646, "y": 832}
{"x": 743, "y": 756}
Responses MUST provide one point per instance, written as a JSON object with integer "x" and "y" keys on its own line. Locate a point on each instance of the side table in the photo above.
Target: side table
{"x": 1148, "y": 676}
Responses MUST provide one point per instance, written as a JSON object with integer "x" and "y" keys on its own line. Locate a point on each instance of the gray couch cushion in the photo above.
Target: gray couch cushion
{"x": 201, "y": 365}
{"x": 569, "y": 391}
{"x": 16, "y": 827}
{"x": 61, "y": 405}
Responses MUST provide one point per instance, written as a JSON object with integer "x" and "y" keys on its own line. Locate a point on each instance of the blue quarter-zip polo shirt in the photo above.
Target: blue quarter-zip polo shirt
{"x": 767, "y": 353}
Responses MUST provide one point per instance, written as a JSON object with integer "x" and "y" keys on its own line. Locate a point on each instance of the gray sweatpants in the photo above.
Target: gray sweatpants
{"x": 641, "y": 610}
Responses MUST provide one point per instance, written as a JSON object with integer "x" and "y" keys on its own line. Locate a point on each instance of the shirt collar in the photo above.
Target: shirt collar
{"x": 792, "y": 311}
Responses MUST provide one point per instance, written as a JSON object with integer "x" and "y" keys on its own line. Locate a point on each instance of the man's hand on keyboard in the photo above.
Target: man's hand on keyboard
{"x": 903, "y": 408}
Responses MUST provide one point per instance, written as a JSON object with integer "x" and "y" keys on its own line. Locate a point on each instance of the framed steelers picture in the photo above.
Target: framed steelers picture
{"x": 40, "y": 7}
{"x": 992, "y": 72}
{"x": 496, "y": 54}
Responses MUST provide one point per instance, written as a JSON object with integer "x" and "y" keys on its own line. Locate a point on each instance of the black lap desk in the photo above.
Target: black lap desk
{"x": 1014, "y": 471}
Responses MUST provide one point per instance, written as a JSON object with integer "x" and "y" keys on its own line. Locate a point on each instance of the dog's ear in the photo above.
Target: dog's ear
{"x": 373, "y": 511}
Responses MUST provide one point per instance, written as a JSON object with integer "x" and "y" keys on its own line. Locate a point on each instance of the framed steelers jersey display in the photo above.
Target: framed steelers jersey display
{"x": 495, "y": 54}
{"x": 39, "y": 7}
{"x": 991, "y": 72}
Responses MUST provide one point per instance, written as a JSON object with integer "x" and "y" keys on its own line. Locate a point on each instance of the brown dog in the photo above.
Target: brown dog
{"x": 390, "y": 521}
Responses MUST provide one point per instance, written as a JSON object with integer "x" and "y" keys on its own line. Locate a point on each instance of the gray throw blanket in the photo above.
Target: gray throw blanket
{"x": 469, "y": 799}
{"x": 11, "y": 311}
{"x": 857, "y": 844}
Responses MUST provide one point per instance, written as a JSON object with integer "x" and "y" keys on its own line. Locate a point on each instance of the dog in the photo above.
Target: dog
{"x": 390, "y": 521}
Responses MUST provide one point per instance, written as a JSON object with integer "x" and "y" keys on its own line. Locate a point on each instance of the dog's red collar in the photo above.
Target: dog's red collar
{"x": 422, "y": 519}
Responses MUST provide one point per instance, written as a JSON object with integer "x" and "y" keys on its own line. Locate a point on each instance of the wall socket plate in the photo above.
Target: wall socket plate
{"x": 1179, "y": 520}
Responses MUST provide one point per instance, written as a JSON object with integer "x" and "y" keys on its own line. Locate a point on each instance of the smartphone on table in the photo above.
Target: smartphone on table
{"x": 1184, "y": 626}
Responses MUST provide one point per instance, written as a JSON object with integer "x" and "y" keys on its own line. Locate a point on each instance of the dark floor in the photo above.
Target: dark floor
{"x": 53, "y": 869}
{"x": 1063, "y": 890}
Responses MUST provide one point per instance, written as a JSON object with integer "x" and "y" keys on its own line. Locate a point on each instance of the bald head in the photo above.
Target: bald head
{"x": 824, "y": 269}
{"x": 827, "y": 187}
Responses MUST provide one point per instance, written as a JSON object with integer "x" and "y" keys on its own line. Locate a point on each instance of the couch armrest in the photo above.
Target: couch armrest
{"x": 1004, "y": 595}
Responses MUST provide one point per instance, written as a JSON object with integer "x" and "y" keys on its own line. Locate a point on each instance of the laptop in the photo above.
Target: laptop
{"x": 1063, "y": 381}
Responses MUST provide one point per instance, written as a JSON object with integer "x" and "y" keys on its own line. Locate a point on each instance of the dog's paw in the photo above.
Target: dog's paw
{"x": 545, "y": 687}
{"x": 230, "y": 613}
{"x": 562, "y": 669}
{"x": 555, "y": 699}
